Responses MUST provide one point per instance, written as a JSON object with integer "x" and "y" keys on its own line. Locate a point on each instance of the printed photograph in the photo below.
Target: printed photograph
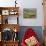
{"x": 29, "y": 12}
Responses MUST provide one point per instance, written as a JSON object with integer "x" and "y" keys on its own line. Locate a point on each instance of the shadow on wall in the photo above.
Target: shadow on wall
{"x": 37, "y": 29}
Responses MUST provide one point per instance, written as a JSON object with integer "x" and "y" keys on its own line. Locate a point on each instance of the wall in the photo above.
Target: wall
{"x": 7, "y": 3}
{"x": 38, "y": 21}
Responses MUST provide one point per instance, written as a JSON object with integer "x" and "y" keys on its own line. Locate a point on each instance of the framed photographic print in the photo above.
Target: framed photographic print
{"x": 13, "y": 12}
{"x": 29, "y": 12}
{"x": 5, "y": 12}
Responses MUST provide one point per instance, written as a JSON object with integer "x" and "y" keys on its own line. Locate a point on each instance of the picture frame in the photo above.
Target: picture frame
{"x": 12, "y": 12}
{"x": 5, "y": 12}
{"x": 29, "y": 12}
